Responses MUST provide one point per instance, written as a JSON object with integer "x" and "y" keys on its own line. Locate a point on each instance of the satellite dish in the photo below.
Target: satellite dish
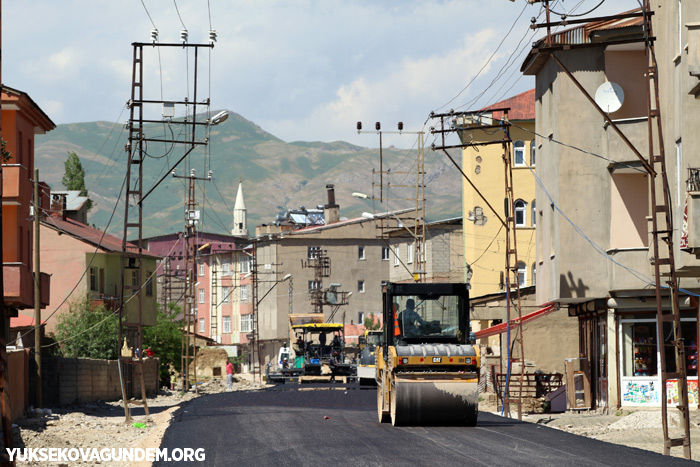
{"x": 610, "y": 97}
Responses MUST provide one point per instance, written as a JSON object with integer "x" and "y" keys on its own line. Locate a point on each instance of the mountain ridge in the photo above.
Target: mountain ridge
{"x": 276, "y": 175}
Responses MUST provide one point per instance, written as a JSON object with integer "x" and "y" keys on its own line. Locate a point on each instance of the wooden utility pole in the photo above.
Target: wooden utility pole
{"x": 37, "y": 293}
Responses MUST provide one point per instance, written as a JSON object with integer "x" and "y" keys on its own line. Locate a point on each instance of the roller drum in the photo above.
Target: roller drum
{"x": 435, "y": 400}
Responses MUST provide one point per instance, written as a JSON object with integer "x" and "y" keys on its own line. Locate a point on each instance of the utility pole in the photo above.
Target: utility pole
{"x": 37, "y": 292}
{"x": 190, "y": 331}
{"x": 418, "y": 229}
{"x": 471, "y": 120}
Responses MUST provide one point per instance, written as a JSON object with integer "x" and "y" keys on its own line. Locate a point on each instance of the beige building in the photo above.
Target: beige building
{"x": 484, "y": 235}
{"x": 444, "y": 260}
{"x": 593, "y": 202}
{"x": 359, "y": 259}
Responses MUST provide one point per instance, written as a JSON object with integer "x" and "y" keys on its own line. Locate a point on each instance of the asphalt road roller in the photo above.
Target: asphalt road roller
{"x": 428, "y": 365}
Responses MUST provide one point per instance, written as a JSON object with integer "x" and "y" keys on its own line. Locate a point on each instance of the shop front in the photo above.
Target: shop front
{"x": 640, "y": 344}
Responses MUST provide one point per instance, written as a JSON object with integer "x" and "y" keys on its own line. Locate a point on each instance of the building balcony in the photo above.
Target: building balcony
{"x": 18, "y": 285}
{"x": 635, "y": 259}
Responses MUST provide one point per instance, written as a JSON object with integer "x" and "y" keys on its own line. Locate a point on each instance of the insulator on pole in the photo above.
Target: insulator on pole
{"x": 183, "y": 36}
{"x": 212, "y": 36}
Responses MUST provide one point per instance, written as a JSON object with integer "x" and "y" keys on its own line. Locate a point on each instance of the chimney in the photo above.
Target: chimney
{"x": 331, "y": 211}
{"x": 58, "y": 205}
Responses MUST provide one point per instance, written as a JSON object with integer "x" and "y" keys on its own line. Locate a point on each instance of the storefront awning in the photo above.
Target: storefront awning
{"x": 501, "y": 328}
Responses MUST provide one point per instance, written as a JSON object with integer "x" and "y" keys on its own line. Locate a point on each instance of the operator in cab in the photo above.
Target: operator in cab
{"x": 410, "y": 320}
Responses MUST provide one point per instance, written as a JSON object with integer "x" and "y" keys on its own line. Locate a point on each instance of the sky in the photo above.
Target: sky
{"x": 303, "y": 70}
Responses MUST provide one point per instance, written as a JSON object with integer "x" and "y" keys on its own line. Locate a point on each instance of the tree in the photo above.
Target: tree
{"x": 74, "y": 176}
{"x": 87, "y": 331}
{"x": 371, "y": 323}
{"x": 165, "y": 339}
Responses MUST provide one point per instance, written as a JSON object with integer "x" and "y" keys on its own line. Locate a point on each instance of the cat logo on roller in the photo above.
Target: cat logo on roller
{"x": 428, "y": 372}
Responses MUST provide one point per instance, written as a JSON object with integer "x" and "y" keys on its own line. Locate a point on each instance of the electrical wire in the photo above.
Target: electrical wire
{"x": 565, "y": 15}
{"x": 485, "y": 63}
{"x": 178, "y": 15}
{"x": 149, "y": 15}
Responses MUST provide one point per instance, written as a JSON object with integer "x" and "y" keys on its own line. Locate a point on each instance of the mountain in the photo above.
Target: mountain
{"x": 276, "y": 175}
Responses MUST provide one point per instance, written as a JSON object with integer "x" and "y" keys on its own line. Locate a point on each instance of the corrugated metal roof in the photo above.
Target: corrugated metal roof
{"x": 583, "y": 34}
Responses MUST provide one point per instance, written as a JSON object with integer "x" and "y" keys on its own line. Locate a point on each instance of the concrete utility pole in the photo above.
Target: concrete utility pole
{"x": 37, "y": 293}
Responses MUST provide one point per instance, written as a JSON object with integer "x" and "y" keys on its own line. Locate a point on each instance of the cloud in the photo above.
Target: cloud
{"x": 424, "y": 82}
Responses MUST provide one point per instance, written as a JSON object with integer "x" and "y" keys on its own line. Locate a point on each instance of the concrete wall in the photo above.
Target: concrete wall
{"x": 70, "y": 380}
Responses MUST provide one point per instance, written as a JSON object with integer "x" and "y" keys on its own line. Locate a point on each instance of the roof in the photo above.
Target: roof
{"x": 73, "y": 199}
{"x": 522, "y": 106}
{"x": 92, "y": 236}
{"x": 595, "y": 32}
{"x": 42, "y": 123}
{"x": 356, "y": 220}
{"x": 23, "y": 321}
{"x": 323, "y": 326}
{"x": 240, "y": 203}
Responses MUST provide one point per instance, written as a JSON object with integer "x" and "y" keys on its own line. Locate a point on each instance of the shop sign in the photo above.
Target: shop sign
{"x": 672, "y": 392}
{"x": 640, "y": 392}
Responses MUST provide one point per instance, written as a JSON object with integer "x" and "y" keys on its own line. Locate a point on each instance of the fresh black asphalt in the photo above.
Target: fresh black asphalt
{"x": 318, "y": 426}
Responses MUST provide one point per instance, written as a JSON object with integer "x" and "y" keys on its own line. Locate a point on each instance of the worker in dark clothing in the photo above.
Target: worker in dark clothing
{"x": 322, "y": 341}
{"x": 410, "y": 319}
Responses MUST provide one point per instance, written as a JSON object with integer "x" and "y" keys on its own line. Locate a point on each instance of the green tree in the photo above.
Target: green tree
{"x": 74, "y": 176}
{"x": 165, "y": 339}
{"x": 372, "y": 324}
{"x": 87, "y": 331}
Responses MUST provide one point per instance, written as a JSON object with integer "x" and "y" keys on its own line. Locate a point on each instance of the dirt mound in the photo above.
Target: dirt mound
{"x": 645, "y": 419}
{"x": 211, "y": 362}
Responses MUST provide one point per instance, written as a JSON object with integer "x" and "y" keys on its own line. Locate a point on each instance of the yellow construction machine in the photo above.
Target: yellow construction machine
{"x": 427, "y": 365}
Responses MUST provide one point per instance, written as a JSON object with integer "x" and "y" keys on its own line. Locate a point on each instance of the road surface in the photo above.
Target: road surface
{"x": 318, "y": 426}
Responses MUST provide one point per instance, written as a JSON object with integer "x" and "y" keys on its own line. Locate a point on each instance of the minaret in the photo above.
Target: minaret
{"x": 240, "y": 215}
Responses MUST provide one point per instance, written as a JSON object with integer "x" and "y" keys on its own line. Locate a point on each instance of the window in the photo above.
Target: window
{"x": 227, "y": 324}
{"x": 532, "y": 153}
{"x": 360, "y": 252}
{"x": 93, "y": 279}
{"x": 534, "y": 274}
{"x": 409, "y": 253}
{"x": 244, "y": 292}
{"x": 360, "y": 317}
{"x": 313, "y": 252}
{"x": 534, "y": 213}
{"x": 135, "y": 278}
{"x": 247, "y": 323}
{"x": 396, "y": 256}
{"x": 314, "y": 285}
{"x": 201, "y": 324}
{"x": 245, "y": 265}
{"x": 226, "y": 268}
{"x": 226, "y": 292}
{"x": 149, "y": 283}
{"x": 361, "y": 286}
{"x": 385, "y": 253}
{"x": 522, "y": 270}
{"x": 520, "y": 212}
{"x": 519, "y": 153}
{"x": 201, "y": 295}
{"x": 201, "y": 269}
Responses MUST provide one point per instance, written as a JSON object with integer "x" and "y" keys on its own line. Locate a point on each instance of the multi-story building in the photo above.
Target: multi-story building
{"x": 21, "y": 120}
{"x": 484, "y": 235}
{"x": 84, "y": 261}
{"x": 359, "y": 259}
{"x": 593, "y": 207}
